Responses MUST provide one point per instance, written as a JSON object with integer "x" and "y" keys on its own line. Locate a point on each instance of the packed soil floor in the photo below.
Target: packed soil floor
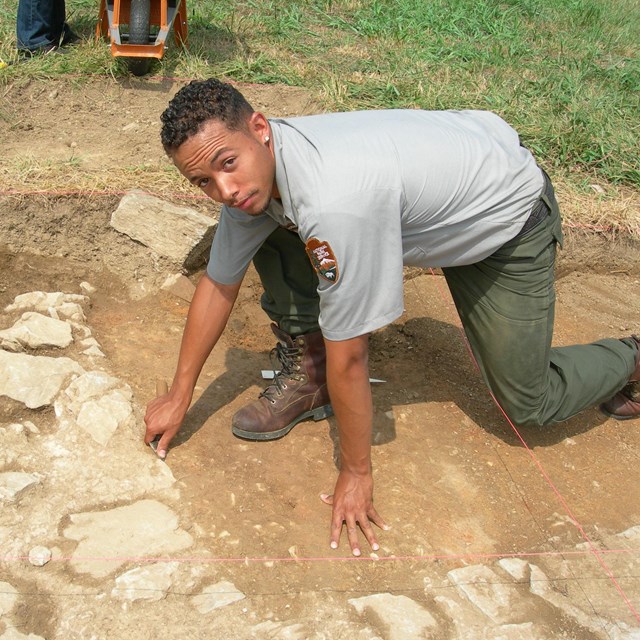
{"x": 494, "y": 533}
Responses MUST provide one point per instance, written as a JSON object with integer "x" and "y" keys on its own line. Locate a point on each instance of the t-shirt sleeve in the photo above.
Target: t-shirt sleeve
{"x": 366, "y": 292}
{"x": 237, "y": 239}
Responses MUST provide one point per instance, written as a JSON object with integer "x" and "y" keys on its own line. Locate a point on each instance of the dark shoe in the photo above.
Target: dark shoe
{"x": 69, "y": 36}
{"x": 298, "y": 391}
{"x": 625, "y": 405}
{"x": 41, "y": 51}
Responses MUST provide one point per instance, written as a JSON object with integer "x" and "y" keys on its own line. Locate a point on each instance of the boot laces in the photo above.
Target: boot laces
{"x": 287, "y": 360}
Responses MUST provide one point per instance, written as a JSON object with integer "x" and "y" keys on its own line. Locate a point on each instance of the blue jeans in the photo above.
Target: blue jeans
{"x": 40, "y": 23}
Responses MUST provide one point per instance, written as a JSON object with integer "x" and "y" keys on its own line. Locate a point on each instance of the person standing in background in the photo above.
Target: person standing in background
{"x": 41, "y": 27}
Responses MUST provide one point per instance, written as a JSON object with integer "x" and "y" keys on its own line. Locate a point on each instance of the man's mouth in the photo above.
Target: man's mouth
{"x": 246, "y": 202}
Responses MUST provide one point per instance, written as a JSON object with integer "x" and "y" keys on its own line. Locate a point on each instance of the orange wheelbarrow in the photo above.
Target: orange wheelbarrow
{"x": 138, "y": 29}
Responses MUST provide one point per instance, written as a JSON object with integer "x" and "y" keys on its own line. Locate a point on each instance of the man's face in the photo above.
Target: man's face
{"x": 236, "y": 168}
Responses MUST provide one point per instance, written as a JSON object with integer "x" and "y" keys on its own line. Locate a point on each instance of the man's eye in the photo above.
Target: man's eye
{"x": 227, "y": 164}
{"x": 203, "y": 183}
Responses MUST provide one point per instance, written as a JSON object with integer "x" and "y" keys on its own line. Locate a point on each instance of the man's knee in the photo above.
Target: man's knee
{"x": 523, "y": 413}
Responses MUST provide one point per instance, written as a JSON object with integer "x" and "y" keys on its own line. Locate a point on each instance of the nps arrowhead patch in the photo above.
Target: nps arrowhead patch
{"x": 323, "y": 259}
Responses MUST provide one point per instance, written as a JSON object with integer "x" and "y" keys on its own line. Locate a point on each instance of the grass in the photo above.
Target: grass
{"x": 565, "y": 74}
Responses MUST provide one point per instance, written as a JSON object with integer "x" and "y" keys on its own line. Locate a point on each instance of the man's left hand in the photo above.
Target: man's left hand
{"x": 352, "y": 503}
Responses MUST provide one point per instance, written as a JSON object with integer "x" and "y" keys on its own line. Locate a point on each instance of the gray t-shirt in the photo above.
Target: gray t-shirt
{"x": 372, "y": 191}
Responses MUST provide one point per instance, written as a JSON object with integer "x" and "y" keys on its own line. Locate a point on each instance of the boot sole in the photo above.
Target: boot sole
{"x": 320, "y": 413}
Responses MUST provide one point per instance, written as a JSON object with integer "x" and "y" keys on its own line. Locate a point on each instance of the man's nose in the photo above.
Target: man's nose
{"x": 227, "y": 189}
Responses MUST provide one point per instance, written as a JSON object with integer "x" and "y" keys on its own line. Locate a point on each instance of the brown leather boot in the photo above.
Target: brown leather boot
{"x": 298, "y": 391}
{"x": 625, "y": 405}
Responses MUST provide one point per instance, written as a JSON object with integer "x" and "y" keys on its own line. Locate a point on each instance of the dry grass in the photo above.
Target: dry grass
{"x": 608, "y": 210}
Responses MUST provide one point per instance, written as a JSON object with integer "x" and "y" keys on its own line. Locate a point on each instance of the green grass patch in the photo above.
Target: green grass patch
{"x": 565, "y": 75}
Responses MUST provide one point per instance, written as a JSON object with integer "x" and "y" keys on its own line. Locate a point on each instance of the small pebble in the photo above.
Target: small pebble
{"x": 39, "y": 556}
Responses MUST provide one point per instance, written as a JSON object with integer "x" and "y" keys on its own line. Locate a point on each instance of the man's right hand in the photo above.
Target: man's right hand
{"x": 164, "y": 418}
{"x": 208, "y": 314}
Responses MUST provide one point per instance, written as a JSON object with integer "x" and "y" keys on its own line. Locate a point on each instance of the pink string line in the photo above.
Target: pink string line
{"x": 592, "y": 548}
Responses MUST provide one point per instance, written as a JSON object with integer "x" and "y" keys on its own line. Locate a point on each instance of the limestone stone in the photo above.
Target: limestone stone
{"x": 44, "y": 302}
{"x": 180, "y": 286}
{"x": 39, "y": 556}
{"x": 87, "y": 288}
{"x": 8, "y": 598}
{"x": 98, "y": 403}
{"x": 402, "y": 617}
{"x": 515, "y": 567}
{"x": 13, "y": 483}
{"x": 35, "y": 330}
{"x": 486, "y": 590}
{"x": 632, "y": 534}
{"x": 13, "y": 634}
{"x": 541, "y": 586}
{"x": 145, "y": 583}
{"x": 34, "y": 380}
{"x": 179, "y": 233}
{"x": 522, "y": 631}
{"x": 216, "y": 596}
{"x": 108, "y": 539}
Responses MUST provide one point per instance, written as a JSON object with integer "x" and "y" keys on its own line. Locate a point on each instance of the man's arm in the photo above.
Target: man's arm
{"x": 208, "y": 314}
{"x": 350, "y": 392}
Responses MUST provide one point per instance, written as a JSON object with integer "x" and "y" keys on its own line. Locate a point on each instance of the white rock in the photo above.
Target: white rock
{"x": 71, "y": 311}
{"x": 34, "y": 380}
{"x": 108, "y": 539}
{"x": 515, "y": 567}
{"x": 486, "y": 590}
{"x": 8, "y": 598}
{"x": 98, "y": 403}
{"x": 180, "y": 286}
{"x": 12, "y": 483}
{"x": 145, "y": 583}
{"x": 93, "y": 352}
{"x": 633, "y": 533}
{"x": 35, "y": 330}
{"x": 541, "y": 586}
{"x": 39, "y": 556}
{"x": 44, "y": 302}
{"x": 522, "y": 631}
{"x": 216, "y": 596}
{"x": 403, "y": 617}
{"x": 87, "y": 288}
{"x": 13, "y": 634}
{"x": 179, "y": 233}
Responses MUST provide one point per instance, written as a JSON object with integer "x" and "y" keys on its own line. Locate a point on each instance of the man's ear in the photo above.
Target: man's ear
{"x": 259, "y": 126}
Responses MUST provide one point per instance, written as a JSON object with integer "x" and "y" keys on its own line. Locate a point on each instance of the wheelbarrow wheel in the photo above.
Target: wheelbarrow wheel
{"x": 139, "y": 19}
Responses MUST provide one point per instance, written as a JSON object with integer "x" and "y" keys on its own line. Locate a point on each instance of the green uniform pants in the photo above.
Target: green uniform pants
{"x": 290, "y": 284}
{"x": 506, "y": 304}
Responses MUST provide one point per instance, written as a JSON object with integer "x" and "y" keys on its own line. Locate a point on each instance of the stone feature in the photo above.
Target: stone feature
{"x": 62, "y": 306}
{"x": 98, "y": 403}
{"x": 13, "y": 634}
{"x": 8, "y": 598}
{"x": 145, "y": 583}
{"x": 13, "y": 483}
{"x": 109, "y": 539}
{"x": 400, "y": 616}
{"x": 179, "y": 233}
{"x": 35, "y": 331}
{"x": 180, "y": 286}
{"x": 34, "y": 380}
{"x": 216, "y": 596}
{"x": 39, "y": 556}
{"x": 485, "y": 590}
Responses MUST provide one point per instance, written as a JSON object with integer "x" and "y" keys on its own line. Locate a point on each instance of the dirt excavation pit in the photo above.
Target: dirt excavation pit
{"x": 98, "y": 539}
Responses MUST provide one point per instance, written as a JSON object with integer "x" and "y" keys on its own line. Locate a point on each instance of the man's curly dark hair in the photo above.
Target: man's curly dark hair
{"x": 197, "y": 103}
